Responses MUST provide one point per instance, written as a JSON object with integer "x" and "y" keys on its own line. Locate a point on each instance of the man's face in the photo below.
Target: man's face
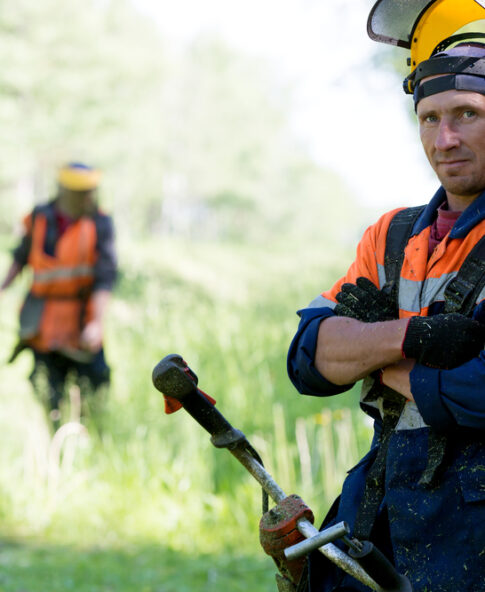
{"x": 452, "y": 130}
{"x": 76, "y": 203}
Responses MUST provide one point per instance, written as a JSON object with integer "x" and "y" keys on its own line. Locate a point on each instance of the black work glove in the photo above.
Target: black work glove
{"x": 364, "y": 302}
{"x": 444, "y": 340}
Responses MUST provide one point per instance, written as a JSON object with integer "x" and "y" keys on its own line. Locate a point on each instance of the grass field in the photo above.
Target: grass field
{"x": 148, "y": 504}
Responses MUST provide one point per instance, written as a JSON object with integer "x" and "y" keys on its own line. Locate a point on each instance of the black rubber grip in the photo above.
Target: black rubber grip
{"x": 380, "y": 569}
{"x": 172, "y": 377}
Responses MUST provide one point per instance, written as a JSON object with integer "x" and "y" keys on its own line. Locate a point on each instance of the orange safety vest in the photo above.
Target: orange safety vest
{"x": 423, "y": 279}
{"x": 58, "y": 305}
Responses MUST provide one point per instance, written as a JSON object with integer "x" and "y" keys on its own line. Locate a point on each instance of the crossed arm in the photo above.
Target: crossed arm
{"x": 348, "y": 350}
{"x": 366, "y": 335}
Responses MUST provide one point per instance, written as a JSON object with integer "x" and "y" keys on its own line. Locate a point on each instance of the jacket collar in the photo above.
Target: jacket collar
{"x": 474, "y": 214}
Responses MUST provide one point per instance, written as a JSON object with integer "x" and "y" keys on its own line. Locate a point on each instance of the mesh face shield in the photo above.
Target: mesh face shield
{"x": 392, "y": 21}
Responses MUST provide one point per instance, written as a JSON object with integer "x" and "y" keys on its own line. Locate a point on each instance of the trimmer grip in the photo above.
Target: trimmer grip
{"x": 380, "y": 569}
{"x": 172, "y": 377}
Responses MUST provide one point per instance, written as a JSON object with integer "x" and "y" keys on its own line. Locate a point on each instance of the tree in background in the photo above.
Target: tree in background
{"x": 194, "y": 141}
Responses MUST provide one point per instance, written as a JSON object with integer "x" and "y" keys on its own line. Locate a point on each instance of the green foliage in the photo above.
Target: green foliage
{"x": 225, "y": 228}
{"x": 193, "y": 141}
{"x": 155, "y": 481}
{"x": 71, "y": 78}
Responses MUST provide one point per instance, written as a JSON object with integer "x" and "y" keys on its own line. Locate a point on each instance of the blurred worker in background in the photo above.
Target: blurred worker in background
{"x": 69, "y": 245}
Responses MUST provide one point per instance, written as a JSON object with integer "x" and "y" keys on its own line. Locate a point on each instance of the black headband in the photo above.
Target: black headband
{"x": 444, "y": 65}
{"x": 449, "y": 82}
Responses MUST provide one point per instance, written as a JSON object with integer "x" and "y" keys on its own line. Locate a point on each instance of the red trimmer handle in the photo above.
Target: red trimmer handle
{"x": 172, "y": 377}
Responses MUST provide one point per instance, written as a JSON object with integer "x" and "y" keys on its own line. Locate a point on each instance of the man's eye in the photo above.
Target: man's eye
{"x": 468, "y": 114}
{"x": 430, "y": 119}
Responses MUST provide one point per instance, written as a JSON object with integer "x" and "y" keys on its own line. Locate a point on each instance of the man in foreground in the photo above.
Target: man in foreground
{"x": 407, "y": 318}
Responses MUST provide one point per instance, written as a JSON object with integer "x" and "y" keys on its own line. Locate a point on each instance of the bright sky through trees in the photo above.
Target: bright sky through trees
{"x": 352, "y": 114}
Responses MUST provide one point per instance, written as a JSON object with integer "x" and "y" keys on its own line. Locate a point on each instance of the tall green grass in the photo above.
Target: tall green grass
{"x": 151, "y": 479}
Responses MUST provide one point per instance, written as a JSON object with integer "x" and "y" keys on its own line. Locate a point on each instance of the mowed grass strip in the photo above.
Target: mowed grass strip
{"x": 46, "y": 568}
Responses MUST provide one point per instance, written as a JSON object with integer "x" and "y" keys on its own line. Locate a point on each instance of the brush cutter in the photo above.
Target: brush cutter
{"x": 287, "y": 532}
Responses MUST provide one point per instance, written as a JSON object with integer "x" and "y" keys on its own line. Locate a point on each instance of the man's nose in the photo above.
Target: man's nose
{"x": 447, "y": 137}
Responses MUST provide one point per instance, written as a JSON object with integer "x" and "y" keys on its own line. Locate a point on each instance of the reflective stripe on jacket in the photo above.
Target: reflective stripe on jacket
{"x": 70, "y": 271}
{"x": 58, "y": 304}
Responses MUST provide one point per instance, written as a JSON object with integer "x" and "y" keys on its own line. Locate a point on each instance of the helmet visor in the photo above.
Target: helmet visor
{"x": 393, "y": 21}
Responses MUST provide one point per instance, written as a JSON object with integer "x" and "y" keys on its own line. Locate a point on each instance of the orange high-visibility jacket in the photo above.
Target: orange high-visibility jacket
{"x": 58, "y": 305}
{"x": 422, "y": 286}
{"x": 417, "y": 515}
{"x": 423, "y": 280}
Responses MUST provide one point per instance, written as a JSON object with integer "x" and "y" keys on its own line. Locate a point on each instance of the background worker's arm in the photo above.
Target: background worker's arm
{"x": 92, "y": 335}
{"x": 13, "y": 271}
{"x": 105, "y": 272}
{"x": 20, "y": 255}
{"x": 348, "y": 349}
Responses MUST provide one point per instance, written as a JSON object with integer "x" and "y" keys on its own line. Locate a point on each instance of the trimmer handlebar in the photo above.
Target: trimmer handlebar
{"x": 176, "y": 381}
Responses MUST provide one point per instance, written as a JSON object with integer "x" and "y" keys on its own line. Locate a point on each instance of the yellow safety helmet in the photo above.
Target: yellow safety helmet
{"x": 426, "y": 27}
{"x": 77, "y": 176}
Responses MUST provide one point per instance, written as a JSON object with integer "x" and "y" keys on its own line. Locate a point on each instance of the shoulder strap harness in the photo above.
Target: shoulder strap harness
{"x": 393, "y": 403}
{"x": 461, "y": 295}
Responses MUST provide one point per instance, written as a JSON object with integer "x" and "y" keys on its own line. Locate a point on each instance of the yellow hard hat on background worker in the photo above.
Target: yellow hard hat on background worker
{"x": 77, "y": 189}
{"x": 78, "y": 176}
